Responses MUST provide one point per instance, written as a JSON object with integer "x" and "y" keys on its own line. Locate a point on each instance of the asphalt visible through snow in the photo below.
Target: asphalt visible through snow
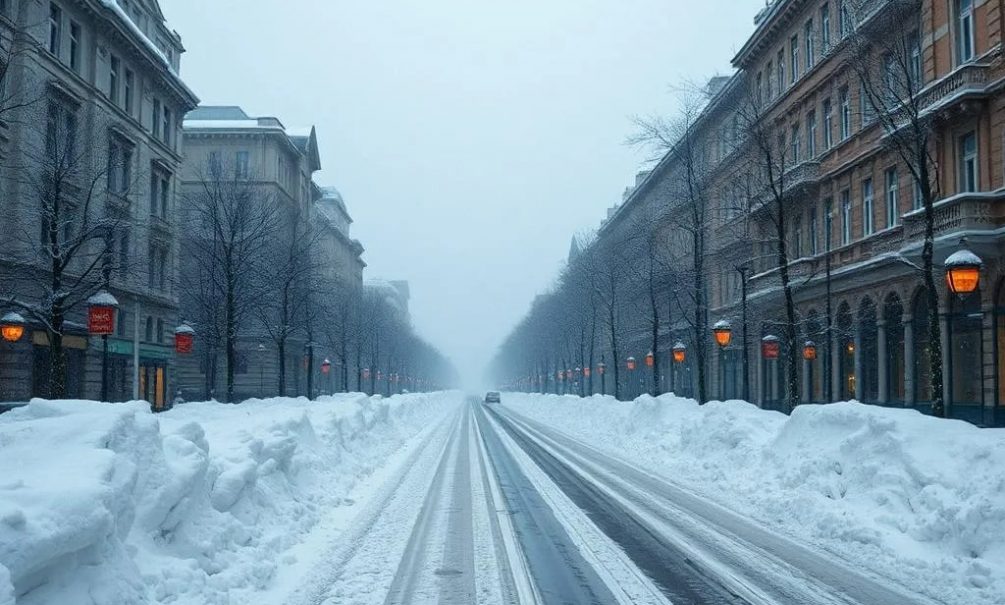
{"x": 494, "y": 508}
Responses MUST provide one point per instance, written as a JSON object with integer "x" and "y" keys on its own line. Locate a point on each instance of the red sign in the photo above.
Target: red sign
{"x": 183, "y": 343}
{"x": 770, "y": 349}
{"x": 101, "y": 320}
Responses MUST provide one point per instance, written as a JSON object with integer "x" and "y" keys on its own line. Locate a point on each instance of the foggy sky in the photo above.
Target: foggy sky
{"x": 470, "y": 139}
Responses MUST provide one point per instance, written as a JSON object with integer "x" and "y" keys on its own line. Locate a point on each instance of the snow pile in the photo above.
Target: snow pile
{"x": 909, "y": 496}
{"x": 113, "y": 505}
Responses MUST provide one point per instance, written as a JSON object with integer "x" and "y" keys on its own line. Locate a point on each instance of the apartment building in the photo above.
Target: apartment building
{"x": 90, "y": 126}
{"x": 809, "y": 133}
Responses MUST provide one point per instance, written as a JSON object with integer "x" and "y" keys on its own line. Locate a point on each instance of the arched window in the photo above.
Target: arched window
{"x": 966, "y": 386}
{"x": 893, "y": 314}
{"x": 922, "y": 352}
{"x": 869, "y": 353}
{"x": 846, "y": 355}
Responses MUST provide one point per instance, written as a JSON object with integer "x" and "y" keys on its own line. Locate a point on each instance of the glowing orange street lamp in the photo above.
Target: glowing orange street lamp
{"x": 810, "y": 350}
{"x": 679, "y": 352}
{"x": 963, "y": 272}
{"x": 723, "y": 332}
{"x": 650, "y": 359}
{"x": 631, "y": 364}
{"x": 12, "y": 327}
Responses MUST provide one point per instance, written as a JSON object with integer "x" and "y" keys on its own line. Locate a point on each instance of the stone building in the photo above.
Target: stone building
{"x": 96, "y": 83}
{"x": 852, "y": 205}
{"x": 225, "y": 143}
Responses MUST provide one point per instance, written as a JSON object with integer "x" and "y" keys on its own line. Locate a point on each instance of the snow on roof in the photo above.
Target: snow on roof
{"x": 217, "y": 112}
{"x": 153, "y": 48}
{"x": 229, "y": 124}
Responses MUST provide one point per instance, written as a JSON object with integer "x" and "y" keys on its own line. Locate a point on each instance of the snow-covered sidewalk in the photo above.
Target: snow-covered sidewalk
{"x": 111, "y": 504}
{"x": 909, "y": 497}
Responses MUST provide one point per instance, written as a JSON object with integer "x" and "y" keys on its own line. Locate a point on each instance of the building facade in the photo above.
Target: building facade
{"x": 825, "y": 91}
{"x": 90, "y": 109}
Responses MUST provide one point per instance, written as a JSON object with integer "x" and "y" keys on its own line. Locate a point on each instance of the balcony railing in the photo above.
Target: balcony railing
{"x": 961, "y": 212}
{"x": 972, "y": 77}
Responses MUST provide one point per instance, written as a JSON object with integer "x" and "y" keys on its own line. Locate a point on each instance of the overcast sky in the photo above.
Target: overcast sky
{"x": 470, "y": 139}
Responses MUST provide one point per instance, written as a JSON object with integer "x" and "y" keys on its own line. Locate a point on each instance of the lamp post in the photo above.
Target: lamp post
{"x": 602, "y": 370}
{"x": 12, "y": 326}
{"x": 101, "y": 308}
{"x": 963, "y": 272}
{"x": 326, "y": 368}
{"x": 261, "y": 370}
{"x": 742, "y": 270}
{"x": 723, "y": 333}
{"x": 631, "y": 365}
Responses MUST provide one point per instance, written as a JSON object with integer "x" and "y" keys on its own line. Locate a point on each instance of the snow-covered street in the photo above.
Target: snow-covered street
{"x": 443, "y": 499}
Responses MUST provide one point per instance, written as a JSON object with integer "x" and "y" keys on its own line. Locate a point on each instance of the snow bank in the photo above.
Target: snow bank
{"x": 910, "y": 496}
{"x": 113, "y": 505}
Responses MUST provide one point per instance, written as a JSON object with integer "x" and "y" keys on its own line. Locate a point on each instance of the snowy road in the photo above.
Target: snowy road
{"x": 491, "y": 507}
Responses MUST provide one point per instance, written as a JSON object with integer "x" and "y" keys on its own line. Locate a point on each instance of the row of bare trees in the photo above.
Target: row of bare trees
{"x": 725, "y": 198}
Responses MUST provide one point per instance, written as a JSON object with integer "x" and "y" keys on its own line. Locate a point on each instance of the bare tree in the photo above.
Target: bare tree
{"x": 231, "y": 223}
{"x": 71, "y": 206}
{"x": 291, "y": 268}
{"x": 886, "y": 58}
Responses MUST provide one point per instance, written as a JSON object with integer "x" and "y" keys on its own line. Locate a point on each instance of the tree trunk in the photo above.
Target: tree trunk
{"x": 791, "y": 350}
{"x": 282, "y": 365}
{"x": 928, "y": 268}
{"x": 230, "y": 340}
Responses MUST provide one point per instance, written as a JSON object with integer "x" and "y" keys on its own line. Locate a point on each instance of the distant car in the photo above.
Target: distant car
{"x": 492, "y": 397}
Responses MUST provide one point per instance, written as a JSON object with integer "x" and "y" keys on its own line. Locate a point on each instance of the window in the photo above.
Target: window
{"x": 845, "y": 217}
{"x": 964, "y": 30}
{"x": 113, "y": 79}
{"x": 844, "y": 19}
{"x": 160, "y": 331}
{"x": 917, "y": 199}
{"x": 845, "y": 114}
{"x": 157, "y": 268}
{"x": 155, "y": 119}
{"x": 75, "y": 46}
{"x": 828, "y": 223}
{"x": 797, "y": 239}
{"x": 166, "y": 135}
{"x": 892, "y": 190}
{"x": 241, "y": 165}
{"x": 120, "y": 165}
{"x": 215, "y": 166}
{"x": 55, "y": 28}
{"x": 868, "y": 223}
{"x": 813, "y": 232}
{"x": 968, "y": 161}
{"x": 61, "y": 131}
{"x": 828, "y": 124}
{"x": 794, "y": 143}
{"x": 769, "y": 91}
{"x": 127, "y": 96}
{"x": 149, "y": 332}
{"x": 810, "y": 40}
{"x": 160, "y": 190}
{"x": 780, "y": 67}
{"x": 916, "y": 75}
{"x": 794, "y": 58}
{"x": 124, "y": 253}
{"x": 758, "y": 98}
{"x": 811, "y": 135}
{"x": 121, "y": 322}
{"x": 865, "y": 108}
{"x": 825, "y": 27}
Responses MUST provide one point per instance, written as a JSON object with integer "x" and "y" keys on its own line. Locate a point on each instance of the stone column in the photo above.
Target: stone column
{"x": 884, "y": 362}
{"x": 909, "y": 363}
{"x": 946, "y": 365}
{"x": 859, "y": 387}
{"x": 836, "y": 386}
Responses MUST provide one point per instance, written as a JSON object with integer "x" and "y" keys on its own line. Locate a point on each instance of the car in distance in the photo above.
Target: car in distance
{"x": 492, "y": 397}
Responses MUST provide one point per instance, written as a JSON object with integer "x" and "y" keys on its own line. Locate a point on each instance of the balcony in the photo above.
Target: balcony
{"x": 961, "y": 212}
{"x": 966, "y": 80}
{"x": 160, "y": 226}
{"x": 804, "y": 175}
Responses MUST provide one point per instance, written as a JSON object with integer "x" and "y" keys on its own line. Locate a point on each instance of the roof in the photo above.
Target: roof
{"x": 233, "y": 117}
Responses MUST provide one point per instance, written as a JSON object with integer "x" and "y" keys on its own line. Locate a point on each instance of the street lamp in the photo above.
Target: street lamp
{"x": 631, "y": 364}
{"x": 101, "y": 308}
{"x": 261, "y": 370}
{"x": 184, "y": 337}
{"x": 650, "y": 359}
{"x": 602, "y": 370}
{"x": 723, "y": 332}
{"x": 963, "y": 272}
{"x": 770, "y": 347}
{"x": 679, "y": 352}
{"x": 810, "y": 350}
{"x": 12, "y": 327}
